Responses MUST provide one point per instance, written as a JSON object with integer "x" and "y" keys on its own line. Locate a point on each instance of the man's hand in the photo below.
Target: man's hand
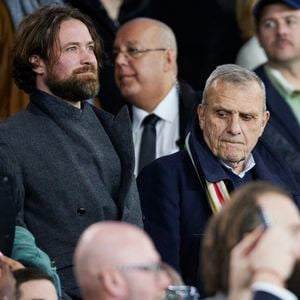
{"x": 241, "y": 273}
{"x": 273, "y": 258}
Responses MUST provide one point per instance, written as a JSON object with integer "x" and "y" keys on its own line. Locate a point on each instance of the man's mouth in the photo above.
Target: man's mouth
{"x": 282, "y": 43}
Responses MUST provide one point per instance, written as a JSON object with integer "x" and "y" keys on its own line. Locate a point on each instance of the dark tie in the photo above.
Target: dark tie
{"x": 148, "y": 141}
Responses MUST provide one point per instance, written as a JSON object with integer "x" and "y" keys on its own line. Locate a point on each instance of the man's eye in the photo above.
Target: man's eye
{"x": 247, "y": 117}
{"x": 222, "y": 114}
{"x": 71, "y": 49}
{"x": 133, "y": 51}
{"x": 291, "y": 21}
{"x": 269, "y": 24}
{"x": 91, "y": 47}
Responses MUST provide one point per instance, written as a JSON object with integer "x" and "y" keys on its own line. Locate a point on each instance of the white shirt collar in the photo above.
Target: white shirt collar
{"x": 167, "y": 109}
{"x": 249, "y": 164}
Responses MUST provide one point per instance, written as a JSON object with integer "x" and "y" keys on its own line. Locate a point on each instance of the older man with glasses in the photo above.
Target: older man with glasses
{"x": 145, "y": 54}
{"x": 115, "y": 260}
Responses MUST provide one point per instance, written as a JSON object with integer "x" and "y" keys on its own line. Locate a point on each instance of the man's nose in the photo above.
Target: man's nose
{"x": 87, "y": 56}
{"x": 120, "y": 58}
{"x": 234, "y": 126}
{"x": 282, "y": 28}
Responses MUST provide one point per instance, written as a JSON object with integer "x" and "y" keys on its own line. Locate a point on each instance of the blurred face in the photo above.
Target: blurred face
{"x": 281, "y": 211}
{"x": 279, "y": 33}
{"x": 232, "y": 120}
{"x": 74, "y": 76}
{"x": 143, "y": 78}
{"x": 41, "y": 289}
{"x": 146, "y": 282}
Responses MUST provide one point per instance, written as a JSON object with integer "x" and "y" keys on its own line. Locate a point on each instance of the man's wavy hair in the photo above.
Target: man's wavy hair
{"x": 37, "y": 34}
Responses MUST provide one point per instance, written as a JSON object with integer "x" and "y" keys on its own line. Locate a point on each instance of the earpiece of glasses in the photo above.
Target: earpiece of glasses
{"x": 135, "y": 52}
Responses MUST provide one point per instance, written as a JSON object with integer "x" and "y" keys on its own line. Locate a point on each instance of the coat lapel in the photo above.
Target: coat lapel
{"x": 282, "y": 116}
{"x": 119, "y": 131}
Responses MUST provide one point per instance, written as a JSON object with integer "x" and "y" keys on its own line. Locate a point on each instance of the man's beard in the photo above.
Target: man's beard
{"x": 74, "y": 88}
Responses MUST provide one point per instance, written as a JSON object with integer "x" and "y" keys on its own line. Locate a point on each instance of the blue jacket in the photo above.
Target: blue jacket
{"x": 260, "y": 295}
{"x": 282, "y": 117}
{"x": 175, "y": 205}
{"x": 281, "y": 134}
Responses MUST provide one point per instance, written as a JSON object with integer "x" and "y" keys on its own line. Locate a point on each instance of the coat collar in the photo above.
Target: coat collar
{"x": 282, "y": 116}
{"x": 210, "y": 167}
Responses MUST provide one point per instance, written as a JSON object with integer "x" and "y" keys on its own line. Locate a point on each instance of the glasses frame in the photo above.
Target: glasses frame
{"x": 135, "y": 53}
{"x": 152, "y": 267}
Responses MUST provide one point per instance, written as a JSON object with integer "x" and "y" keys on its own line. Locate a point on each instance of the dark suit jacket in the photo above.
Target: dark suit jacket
{"x": 188, "y": 103}
{"x": 260, "y": 295}
{"x": 282, "y": 118}
{"x": 175, "y": 205}
{"x": 281, "y": 134}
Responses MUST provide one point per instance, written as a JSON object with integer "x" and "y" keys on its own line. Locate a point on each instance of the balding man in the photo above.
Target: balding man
{"x": 115, "y": 260}
{"x": 145, "y": 54}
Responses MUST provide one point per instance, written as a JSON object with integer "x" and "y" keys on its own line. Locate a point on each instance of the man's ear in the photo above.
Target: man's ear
{"x": 201, "y": 114}
{"x": 265, "y": 120}
{"x": 113, "y": 283}
{"x": 170, "y": 60}
{"x": 38, "y": 64}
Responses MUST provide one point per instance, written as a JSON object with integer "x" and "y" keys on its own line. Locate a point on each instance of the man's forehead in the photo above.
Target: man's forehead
{"x": 227, "y": 94}
{"x": 135, "y": 33}
{"x": 73, "y": 29}
{"x": 280, "y": 208}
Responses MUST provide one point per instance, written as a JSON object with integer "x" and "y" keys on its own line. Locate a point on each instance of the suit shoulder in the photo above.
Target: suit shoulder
{"x": 169, "y": 161}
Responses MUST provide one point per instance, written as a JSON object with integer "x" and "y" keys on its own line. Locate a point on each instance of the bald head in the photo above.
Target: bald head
{"x": 100, "y": 241}
{"x": 145, "y": 61}
{"x": 158, "y": 30}
{"x": 103, "y": 250}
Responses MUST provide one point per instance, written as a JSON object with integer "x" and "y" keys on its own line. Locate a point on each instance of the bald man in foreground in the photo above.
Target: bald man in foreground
{"x": 115, "y": 260}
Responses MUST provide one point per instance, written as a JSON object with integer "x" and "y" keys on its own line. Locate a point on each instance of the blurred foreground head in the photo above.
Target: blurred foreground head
{"x": 115, "y": 260}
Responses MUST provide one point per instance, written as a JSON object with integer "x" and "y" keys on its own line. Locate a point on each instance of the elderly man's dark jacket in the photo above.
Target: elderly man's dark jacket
{"x": 175, "y": 206}
{"x": 281, "y": 135}
{"x": 60, "y": 155}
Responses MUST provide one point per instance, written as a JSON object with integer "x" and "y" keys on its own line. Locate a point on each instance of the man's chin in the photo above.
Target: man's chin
{"x": 233, "y": 160}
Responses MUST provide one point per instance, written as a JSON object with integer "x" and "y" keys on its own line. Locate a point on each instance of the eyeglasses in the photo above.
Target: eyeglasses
{"x": 153, "y": 267}
{"x": 135, "y": 52}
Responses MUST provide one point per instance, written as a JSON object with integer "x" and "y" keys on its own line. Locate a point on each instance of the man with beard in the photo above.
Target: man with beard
{"x": 76, "y": 162}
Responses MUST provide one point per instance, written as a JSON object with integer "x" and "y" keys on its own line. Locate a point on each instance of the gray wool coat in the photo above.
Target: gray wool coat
{"x": 76, "y": 169}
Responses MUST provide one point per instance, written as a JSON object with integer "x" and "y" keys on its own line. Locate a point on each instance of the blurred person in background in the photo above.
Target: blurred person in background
{"x": 252, "y": 245}
{"x": 33, "y": 283}
{"x": 278, "y": 31}
{"x": 145, "y": 53}
{"x": 250, "y": 55}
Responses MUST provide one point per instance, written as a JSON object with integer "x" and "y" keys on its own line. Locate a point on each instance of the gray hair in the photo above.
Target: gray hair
{"x": 233, "y": 74}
